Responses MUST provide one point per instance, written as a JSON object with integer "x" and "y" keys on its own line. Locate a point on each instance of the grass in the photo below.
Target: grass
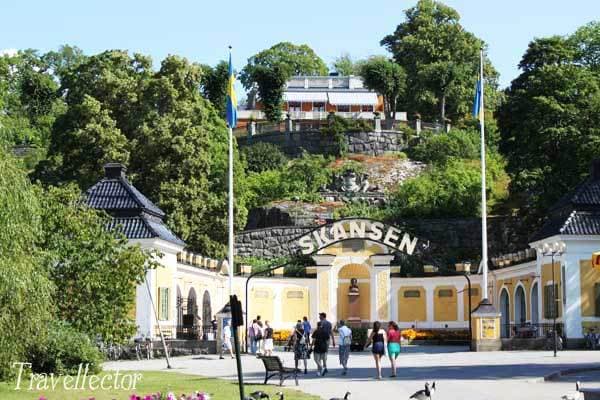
{"x": 151, "y": 382}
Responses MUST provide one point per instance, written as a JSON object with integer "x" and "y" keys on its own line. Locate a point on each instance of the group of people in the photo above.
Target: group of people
{"x": 260, "y": 337}
{"x": 304, "y": 341}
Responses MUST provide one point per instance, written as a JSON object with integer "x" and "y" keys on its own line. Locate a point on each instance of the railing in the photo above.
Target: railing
{"x": 528, "y": 330}
{"x": 186, "y": 332}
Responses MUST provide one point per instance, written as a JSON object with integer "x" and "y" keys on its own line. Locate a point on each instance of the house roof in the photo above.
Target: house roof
{"x": 132, "y": 213}
{"x": 576, "y": 213}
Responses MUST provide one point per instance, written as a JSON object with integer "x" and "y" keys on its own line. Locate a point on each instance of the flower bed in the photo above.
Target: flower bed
{"x": 436, "y": 334}
{"x": 281, "y": 336}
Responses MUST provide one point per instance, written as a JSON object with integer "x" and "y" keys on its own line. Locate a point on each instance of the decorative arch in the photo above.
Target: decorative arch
{"x": 345, "y": 274}
{"x": 192, "y": 307}
{"x": 206, "y": 311}
{"x": 505, "y": 312}
{"x": 520, "y": 306}
{"x": 179, "y": 304}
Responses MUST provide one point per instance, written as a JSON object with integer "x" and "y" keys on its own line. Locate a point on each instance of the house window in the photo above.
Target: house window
{"x": 318, "y": 107}
{"x": 294, "y": 106}
{"x": 367, "y": 108}
{"x": 343, "y": 108}
{"x": 261, "y": 294}
{"x": 163, "y": 301}
{"x": 295, "y": 294}
{"x": 597, "y": 298}
{"x": 550, "y": 303}
{"x": 445, "y": 293}
{"x": 412, "y": 294}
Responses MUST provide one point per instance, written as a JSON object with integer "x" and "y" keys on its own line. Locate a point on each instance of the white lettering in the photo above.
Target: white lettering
{"x": 357, "y": 230}
{"x": 42, "y": 383}
{"x": 93, "y": 382}
{"x": 306, "y": 244}
{"x": 391, "y": 237}
{"x": 407, "y": 245}
{"x": 135, "y": 380}
{"x": 21, "y": 365}
{"x": 67, "y": 382}
{"x": 107, "y": 376}
{"x": 376, "y": 231}
{"x": 339, "y": 232}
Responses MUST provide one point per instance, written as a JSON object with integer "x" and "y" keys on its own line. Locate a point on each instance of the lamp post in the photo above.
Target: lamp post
{"x": 553, "y": 250}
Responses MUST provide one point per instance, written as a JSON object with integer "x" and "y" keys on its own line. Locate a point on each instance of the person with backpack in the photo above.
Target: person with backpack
{"x": 345, "y": 334}
{"x": 320, "y": 346}
{"x": 251, "y": 339}
{"x": 301, "y": 346}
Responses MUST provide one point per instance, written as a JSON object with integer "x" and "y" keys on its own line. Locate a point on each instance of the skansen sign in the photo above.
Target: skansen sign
{"x": 347, "y": 229}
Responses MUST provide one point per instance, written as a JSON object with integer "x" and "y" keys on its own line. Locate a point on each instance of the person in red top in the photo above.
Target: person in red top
{"x": 393, "y": 340}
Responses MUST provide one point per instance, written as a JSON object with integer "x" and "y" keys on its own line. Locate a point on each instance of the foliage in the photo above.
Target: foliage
{"x": 270, "y": 82}
{"x": 173, "y": 141}
{"x": 344, "y": 65}
{"x": 438, "y": 149}
{"x": 386, "y": 78}
{"x": 452, "y": 189}
{"x": 550, "y": 119}
{"x": 338, "y": 127}
{"x": 94, "y": 270}
{"x": 441, "y": 60}
{"x": 263, "y": 156}
{"x": 359, "y": 209}
{"x": 214, "y": 84}
{"x": 25, "y": 289}
{"x": 359, "y": 336}
{"x": 62, "y": 351}
{"x": 296, "y": 59}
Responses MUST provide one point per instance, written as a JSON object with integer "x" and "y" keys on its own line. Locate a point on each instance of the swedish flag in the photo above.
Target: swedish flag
{"x": 231, "y": 98}
{"x": 478, "y": 101}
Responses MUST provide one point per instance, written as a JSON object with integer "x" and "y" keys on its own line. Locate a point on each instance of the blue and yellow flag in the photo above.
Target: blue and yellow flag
{"x": 477, "y": 103}
{"x": 231, "y": 98}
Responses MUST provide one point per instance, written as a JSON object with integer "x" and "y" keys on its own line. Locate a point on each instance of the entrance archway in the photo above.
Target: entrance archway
{"x": 505, "y": 313}
{"x": 361, "y": 273}
{"x": 206, "y": 312}
{"x": 535, "y": 312}
{"x": 520, "y": 306}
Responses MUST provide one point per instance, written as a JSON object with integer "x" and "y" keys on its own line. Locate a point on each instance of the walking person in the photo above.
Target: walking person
{"x": 268, "y": 339}
{"x": 377, "y": 338}
{"x": 344, "y": 345}
{"x": 328, "y": 331}
{"x": 300, "y": 345}
{"x": 251, "y": 338}
{"x": 259, "y": 335}
{"x": 320, "y": 348}
{"x": 226, "y": 346}
{"x": 393, "y": 345}
{"x": 306, "y": 326}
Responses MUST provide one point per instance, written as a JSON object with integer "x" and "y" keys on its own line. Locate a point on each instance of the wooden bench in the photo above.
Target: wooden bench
{"x": 274, "y": 367}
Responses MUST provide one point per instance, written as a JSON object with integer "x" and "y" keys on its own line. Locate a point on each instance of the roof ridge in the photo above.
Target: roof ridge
{"x": 132, "y": 191}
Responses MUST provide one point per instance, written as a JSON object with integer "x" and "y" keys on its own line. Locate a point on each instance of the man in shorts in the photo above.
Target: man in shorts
{"x": 326, "y": 326}
{"x": 226, "y": 341}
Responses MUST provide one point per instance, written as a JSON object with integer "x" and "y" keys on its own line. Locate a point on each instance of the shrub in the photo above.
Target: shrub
{"x": 63, "y": 350}
{"x": 359, "y": 336}
{"x": 439, "y": 149}
{"x": 263, "y": 156}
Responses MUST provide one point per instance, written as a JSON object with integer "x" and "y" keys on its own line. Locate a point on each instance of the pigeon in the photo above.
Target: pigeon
{"x": 346, "y": 397}
{"x": 259, "y": 395}
{"x": 424, "y": 394}
{"x": 280, "y": 394}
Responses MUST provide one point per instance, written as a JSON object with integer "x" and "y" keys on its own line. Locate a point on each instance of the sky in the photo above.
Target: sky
{"x": 201, "y": 30}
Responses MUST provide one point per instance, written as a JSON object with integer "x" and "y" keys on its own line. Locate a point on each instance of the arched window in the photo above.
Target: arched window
{"x": 505, "y": 313}
{"x": 520, "y": 306}
{"x": 535, "y": 311}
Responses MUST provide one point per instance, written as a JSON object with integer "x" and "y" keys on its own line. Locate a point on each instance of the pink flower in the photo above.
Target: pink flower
{"x": 43, "y": 398}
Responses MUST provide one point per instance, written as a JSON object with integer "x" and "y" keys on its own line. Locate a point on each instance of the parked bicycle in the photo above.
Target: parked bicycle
{"x": 550, "y": 337}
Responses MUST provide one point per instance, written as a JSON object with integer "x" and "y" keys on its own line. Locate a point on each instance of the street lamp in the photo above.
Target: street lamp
{"x": 554, "y": 249}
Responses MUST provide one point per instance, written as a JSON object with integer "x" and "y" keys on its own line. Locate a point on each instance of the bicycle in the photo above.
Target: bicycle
{"x": 550, "y": 337}
{"x": 592, "y": 340}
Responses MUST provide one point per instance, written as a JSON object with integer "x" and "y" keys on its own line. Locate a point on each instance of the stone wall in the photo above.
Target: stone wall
{"x": 315, "y": 142}
{"x": 456, "y": 237}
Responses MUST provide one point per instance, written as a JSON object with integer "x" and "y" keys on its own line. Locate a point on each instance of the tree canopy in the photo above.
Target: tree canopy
{"x": 386, "y": 78}
{"x": 441, "y": 60}
{"x": 214, "y": 84}
{"x": 173, "y": 141}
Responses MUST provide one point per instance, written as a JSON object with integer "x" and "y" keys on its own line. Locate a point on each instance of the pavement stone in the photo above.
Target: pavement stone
{"x": 458, "y": 373}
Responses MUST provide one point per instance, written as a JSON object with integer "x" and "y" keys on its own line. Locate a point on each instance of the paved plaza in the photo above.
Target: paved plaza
{"x": 459, "y": 374}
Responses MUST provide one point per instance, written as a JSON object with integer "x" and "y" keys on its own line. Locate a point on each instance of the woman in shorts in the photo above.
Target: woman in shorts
{"x": 377, "y": 339}
{"x": 393, "y": 345}
{"x": 268, "y": 339}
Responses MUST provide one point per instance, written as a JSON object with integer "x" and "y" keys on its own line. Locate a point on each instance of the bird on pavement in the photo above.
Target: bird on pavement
{"x": 259, "y": 395}
{"x": 346, "y": 397}
{"x": 424, "y": 394}
{"x": 280, "y": 394}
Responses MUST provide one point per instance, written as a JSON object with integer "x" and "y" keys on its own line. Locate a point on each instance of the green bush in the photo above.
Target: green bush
{"x": 359, "y": 336}
{"x": 263, "y": 156}
{"x": 438, "y": 149}
{"x": 63, "y": 350}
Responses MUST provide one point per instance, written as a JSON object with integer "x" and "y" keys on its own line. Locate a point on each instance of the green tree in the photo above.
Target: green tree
{"x": 345, "y": 65}
{"x": 25, "y": 289}
{"x": 214, "y": 84}
{"x": 441, "y": 60}
{"x": 263, "y": 156}
{"x": 297, "y": 59}
{"x": 173, "y": 141}
{"x": 270, "y": 82}
{"x": 94, "y": 270}
{"x": 438, "y": 149}
{"x": 63, "y": 60}
{"x": 386, "y": 78}
{"x": 587, "y": 43}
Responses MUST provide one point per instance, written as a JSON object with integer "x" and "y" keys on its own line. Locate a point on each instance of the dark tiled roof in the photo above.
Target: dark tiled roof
{"x": 117, "y": 194}
{"x": 144, "y": 227}
{"x": 132, "y": 213}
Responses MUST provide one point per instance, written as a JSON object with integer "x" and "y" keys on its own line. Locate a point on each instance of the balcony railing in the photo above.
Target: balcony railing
{"x": 528, "y": 330}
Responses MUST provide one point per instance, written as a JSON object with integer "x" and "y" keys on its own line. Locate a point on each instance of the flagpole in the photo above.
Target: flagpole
{"x": 230, "y": 205}
{"x": 484, "y": 244}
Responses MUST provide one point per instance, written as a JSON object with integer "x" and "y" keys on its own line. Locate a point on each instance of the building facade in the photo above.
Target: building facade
{"x": 353, "y": 276}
